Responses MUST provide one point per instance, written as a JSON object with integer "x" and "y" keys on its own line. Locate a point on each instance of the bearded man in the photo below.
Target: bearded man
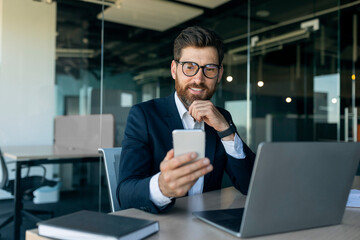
{"x": 150, "y": 177}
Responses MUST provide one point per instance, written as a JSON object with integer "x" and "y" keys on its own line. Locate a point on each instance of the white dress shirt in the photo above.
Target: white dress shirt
{"x": 233, "y": 148}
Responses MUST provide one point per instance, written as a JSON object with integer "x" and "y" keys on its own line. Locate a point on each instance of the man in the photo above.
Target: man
{"x": 150, "y": 177}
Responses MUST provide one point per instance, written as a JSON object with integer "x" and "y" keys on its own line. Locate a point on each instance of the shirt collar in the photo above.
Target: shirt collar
{"x": 180, "y": 106}
{"x": 187, "y": 120}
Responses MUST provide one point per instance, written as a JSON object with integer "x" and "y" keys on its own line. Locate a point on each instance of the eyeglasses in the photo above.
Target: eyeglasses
{"x": 191, "y": 69}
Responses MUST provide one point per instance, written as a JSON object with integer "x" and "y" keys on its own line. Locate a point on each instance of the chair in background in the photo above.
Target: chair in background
{"x": 111, "y": 159}
{"x": 29, "y": 185}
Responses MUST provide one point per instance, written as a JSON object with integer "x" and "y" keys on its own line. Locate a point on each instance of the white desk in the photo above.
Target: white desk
{"x": 36, "y": 155}
{"x": 178, "y": 223}
{"x": 28, "y": 153}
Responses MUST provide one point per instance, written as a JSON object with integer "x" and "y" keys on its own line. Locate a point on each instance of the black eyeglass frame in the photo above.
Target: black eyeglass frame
{"x": 203, "y": 68}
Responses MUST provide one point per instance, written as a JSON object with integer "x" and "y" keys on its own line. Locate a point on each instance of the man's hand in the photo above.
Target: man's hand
{"x": 176, "y": 179}
{"x": 204, "y": 110}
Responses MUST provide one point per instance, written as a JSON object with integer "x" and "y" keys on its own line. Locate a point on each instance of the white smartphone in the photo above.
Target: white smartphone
{"x": 192, "y": 140}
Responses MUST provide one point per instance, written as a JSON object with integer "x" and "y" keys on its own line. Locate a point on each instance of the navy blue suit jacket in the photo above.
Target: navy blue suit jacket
{"x": 147, "y": 139}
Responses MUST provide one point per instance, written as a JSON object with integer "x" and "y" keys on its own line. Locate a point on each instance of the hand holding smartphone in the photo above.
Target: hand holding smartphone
{"x": 175, "y": 180}
{"x": 190, "y": 140}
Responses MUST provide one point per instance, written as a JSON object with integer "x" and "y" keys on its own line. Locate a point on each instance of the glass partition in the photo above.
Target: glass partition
{"x": 137, "y": 56}
{"x": 274, "y": 94}
{"x": 77, "y": 77}
{"x": 295, "y": 71}
{"x": 49, "y": 69}
{"x": 78, "y": 53}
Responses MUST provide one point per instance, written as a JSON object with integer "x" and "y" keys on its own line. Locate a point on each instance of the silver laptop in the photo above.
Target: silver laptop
{"x": 294, "y": 186}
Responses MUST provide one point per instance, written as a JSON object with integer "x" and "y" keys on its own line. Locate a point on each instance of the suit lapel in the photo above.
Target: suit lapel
{"x": 172, "y": 117}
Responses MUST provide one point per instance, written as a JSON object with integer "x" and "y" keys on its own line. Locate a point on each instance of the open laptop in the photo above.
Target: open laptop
{"x": 294, "y": 186}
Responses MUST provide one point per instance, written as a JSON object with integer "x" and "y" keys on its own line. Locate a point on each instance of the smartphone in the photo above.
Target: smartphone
{"x": 189, "y": 140}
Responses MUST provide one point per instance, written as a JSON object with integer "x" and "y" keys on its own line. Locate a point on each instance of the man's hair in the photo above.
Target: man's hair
{"x": 198, "y": 37}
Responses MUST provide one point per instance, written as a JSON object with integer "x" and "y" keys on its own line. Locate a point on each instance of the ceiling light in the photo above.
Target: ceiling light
{"x": 154, "y": 15}
{"x": 229, "y": 78}
{"x": 263, "y": 13}
{"x": 284, "y": 38}
{"x": 260, "y": 83}
{"x": 274, "y": 42}
{"x": 100, "y": 2}
{"x": 206, "y": 3}
{"x": 74, "y": 53}
{"x": 313, "y": 24}
{"x": 288, "y": 99}
{"x": 118, "y": 3}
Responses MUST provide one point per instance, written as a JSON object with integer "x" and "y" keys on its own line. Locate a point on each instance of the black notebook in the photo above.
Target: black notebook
{"x": 94, "y": 225}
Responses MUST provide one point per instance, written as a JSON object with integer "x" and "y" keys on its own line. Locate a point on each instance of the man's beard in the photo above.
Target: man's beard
{"x": 187, "y": 98}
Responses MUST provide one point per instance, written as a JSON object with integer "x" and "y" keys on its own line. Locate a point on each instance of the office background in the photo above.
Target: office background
{"x": 290, "y": 66}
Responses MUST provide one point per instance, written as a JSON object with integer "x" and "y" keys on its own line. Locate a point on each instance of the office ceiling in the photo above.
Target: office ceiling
{"x": 158, "y": 16}
{"x": 139, "y": 35}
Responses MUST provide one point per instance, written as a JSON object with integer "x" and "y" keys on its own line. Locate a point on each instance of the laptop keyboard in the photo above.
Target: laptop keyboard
{"x": 227, "y": 218}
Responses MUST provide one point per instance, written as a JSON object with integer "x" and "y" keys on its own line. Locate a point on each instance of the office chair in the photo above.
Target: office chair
{"x": 111, "y": 160}
{"x": 29, "y": 184}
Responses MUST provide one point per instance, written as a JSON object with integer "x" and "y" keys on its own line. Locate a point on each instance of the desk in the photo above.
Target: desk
{"x": 36, "y": 155}
{"x": 180, "y": 224}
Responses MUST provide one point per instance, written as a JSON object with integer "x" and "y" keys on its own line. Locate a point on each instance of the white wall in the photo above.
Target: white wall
{"x": 27, "y": 72}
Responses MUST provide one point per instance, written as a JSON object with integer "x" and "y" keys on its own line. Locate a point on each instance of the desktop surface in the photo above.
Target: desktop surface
{"x": 179, "y": 223}
{"x": 26, "y": 153}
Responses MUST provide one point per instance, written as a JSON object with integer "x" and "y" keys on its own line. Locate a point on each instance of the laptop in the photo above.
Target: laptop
{"x": 294, "y": 186}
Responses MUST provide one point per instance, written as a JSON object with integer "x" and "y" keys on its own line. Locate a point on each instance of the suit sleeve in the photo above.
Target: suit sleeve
{"x": 136, "y": 164}
{"x": 240, "y": 170}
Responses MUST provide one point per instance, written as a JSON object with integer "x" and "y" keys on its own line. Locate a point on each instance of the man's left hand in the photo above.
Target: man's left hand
{"x": 204, "y": 110}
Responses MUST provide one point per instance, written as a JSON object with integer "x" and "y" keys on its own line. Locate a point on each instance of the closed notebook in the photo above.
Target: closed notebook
{"x": 94, "y": 225}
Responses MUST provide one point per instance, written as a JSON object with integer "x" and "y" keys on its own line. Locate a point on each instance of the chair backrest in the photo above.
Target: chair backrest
{"x": 111, "y": 160}
{"x": 4, "y": 172}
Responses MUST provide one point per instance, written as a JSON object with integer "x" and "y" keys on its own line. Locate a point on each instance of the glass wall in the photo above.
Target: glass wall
{"x": 302, "y": 59}
{"x": 287, "y": 68}
{"x": 78, "y": 80}
{"x": 48, "y": 67}
{"x": 78, "y": 54}
{"x": 299, "y": 75}
{"x": 295, "y": 71}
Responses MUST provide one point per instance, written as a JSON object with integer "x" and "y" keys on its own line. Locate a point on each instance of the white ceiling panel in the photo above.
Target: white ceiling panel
{"x": 150, "y": 14}
{"x": 206, "y": 3}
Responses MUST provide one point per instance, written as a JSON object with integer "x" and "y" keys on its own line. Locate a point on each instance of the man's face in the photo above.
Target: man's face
{"x": 197, "y": 87}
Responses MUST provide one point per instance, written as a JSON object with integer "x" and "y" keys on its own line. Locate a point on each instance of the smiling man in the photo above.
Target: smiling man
{"x": 150, "y": 177}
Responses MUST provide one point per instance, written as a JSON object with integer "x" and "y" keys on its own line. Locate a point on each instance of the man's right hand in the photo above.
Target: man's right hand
{"x": 177, "y": 177}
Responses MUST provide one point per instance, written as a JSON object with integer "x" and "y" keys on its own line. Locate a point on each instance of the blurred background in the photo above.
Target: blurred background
{"x": 290, "y": 67}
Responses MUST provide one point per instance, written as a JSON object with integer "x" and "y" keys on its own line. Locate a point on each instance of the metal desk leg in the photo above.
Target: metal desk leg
{"x": 18, "y": 202}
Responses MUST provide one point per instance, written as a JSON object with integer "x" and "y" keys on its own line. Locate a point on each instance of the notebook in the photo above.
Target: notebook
{"x": 294, "y": 186}
{"x": 95, "y": 225}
